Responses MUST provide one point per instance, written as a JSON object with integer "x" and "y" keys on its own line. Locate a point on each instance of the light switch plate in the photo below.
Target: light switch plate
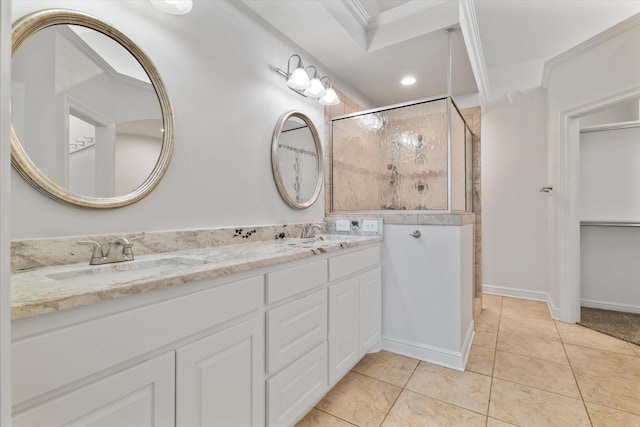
{"x": 369, "y": 225}
{"x": 343, "y": 225}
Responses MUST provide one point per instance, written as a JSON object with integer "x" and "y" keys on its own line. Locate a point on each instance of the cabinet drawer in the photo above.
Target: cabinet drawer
{"x": 344, "y": 265}
{"x": 292, "y": 392}
{"x": 285, "y": 283}
{"x": 295, "y": 328}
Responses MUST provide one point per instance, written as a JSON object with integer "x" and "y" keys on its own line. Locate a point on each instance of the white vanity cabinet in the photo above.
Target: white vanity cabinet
{"x": 252, "y": 349}
{"x": 142, "y": 396}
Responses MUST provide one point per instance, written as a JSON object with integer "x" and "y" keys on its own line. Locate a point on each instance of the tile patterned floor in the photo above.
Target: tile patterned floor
{"x": 525, "y": 370}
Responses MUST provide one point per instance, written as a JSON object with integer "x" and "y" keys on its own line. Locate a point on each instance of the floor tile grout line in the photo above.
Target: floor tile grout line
{"x": 493, "y": 367}
{"x": 597, "y": 348}
{"x": 601, "y": 349}
{"x": 575, "y": 378}
{"x": 335, "y": 416}
{"x": 444, "y": 401}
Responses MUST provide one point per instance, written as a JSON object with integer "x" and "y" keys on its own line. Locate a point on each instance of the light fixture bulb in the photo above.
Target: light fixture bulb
{"x": 330, "y": 98}
{"x": 299, "y": 79}
{"x": 174, "y": 7}
{"x": 316, "y": 90}
{"x": 408, "y": 81}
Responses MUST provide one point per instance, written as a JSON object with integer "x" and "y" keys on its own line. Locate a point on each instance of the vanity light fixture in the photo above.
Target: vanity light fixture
{"x": 174, "y": 7}
{"x": 330, "y": 97}
{"x": 306, "y": 82}
{"x": 316, "y": 89}
{"x": 298, "y": 79}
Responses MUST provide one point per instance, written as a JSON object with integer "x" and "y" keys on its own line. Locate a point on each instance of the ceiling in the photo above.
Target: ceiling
{"x": 498, "y": 46}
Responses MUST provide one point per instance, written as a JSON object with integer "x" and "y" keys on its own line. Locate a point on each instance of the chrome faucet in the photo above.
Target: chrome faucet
{"x": 119, "y": 250}
{"x": 309, "y": 231}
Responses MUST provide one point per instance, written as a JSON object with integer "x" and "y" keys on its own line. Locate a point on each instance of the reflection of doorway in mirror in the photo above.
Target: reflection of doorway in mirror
{"x": 82, "y": 156}
{"x": 137, "y": 150}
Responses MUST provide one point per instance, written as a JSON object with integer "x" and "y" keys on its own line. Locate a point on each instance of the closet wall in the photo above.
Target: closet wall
{"x": 610, "y": 219}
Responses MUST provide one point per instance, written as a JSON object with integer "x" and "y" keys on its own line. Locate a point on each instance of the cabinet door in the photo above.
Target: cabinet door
{"x": 220, "y": 379}
{"x": 139, "y": 396}
{"x": 370, "y": 310}
{"x": 344, "y": 324}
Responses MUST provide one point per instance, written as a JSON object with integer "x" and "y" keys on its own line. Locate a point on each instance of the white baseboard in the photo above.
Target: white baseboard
{"x": 610, "y": 306}
{"x": 523, "y": 294}
{"x": 439, "y": 356}
{"x": 555, "y": 311}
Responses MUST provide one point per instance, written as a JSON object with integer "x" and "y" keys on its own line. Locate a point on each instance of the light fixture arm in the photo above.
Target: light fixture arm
{"x": 326, "y": 95}
{"x": 300, "y": 64}
{"x": 329, "y": 82}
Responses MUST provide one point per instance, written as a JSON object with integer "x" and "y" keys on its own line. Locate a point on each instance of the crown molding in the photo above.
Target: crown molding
{"x": 358, "y": 12}
{"x": 471, "y": 35}
{"x": 594, "y": 41}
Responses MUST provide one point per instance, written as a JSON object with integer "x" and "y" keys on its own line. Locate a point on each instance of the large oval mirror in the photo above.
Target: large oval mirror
{"x": 92, "y": 124}
{"x": 296, "y": 158}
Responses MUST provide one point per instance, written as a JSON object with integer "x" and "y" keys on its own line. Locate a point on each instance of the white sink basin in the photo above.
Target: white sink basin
{"x": 138, "y": 268}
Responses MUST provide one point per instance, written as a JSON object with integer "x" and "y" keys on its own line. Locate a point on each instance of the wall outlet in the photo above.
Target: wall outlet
{"x": 369, "y": 225}
{"x": 343, "y": 225}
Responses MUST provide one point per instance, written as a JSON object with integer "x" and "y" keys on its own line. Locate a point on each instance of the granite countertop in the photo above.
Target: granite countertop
{"x": 49, "y": 289}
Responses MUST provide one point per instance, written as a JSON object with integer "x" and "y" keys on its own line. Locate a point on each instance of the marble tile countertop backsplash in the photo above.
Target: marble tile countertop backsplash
{"x": 36, "y": 253}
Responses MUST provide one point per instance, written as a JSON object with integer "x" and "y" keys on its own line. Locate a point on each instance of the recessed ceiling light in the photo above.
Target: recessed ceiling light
{"x": 408, "y": 81}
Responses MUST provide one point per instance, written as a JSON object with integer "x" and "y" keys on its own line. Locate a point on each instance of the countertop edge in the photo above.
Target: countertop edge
{"x": 55, "y": 304}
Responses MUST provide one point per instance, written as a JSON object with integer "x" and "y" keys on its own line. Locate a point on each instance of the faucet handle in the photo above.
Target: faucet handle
{"x": 98, "y": 252}
{"x": 127, "y": 245}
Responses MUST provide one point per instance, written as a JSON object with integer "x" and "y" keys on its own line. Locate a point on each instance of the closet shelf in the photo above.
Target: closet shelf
{"x": 611, "y": 223}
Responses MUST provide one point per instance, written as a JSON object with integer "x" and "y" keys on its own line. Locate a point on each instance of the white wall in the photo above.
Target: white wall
{"x": 610, "y": 191}
{"x": 610, "y": 175}
{"x": 603, "y": 71}
{"x": 514, "y": 222}
{"x": 217, "y": 64}
{"x": 609, "y": 268}
{"x": 625, "y": 112}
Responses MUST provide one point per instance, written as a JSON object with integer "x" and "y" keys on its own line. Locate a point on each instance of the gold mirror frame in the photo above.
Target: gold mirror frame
{"x": 26, "y": 27}
{"x": 275, "y": 157}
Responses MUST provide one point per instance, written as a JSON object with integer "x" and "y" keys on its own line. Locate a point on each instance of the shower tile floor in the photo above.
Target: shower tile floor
{"x": 525, "y": 369}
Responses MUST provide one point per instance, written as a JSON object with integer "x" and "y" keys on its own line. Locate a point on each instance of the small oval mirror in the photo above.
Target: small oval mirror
{"x": 92, "y": 124}
{"x": 296, "y": 159}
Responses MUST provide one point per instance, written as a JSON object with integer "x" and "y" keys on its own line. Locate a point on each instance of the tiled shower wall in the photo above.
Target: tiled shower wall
{"x": 393, "y": 160}
{"x": 471, "y": 116}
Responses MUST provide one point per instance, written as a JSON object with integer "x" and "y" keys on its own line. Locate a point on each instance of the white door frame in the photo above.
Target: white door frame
{"x": 5, "y": 212}
{"x": 567, "y": 200}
